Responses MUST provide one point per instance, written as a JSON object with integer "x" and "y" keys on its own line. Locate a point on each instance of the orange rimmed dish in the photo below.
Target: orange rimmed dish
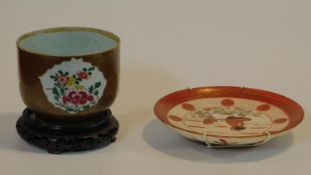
{"x": 226, "y": 116}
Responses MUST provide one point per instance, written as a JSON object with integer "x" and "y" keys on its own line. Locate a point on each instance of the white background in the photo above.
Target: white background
{"x": 166, "y": 46}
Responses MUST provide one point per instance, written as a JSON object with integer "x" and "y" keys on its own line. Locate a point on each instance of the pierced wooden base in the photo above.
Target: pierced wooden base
{"x": 59, "y": 138}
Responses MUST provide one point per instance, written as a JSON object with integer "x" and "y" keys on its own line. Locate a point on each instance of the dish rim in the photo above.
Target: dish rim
{"x": 296, "y": 111}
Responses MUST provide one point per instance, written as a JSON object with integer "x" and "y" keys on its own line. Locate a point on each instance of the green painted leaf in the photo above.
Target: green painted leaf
{"x": 96, "y": 93}
{"x": 74, "y": 76}
{"x": 60, "y": 72}
{"x": 86, "y": 107}
{"x": 66, "y": 73}
{"x": 56, "y": 97}
{"x": 91, "y": 89}
{"x": 97, "y": 84}
{"x": 91, "y": 68}
{"x": 90, "y": 73}
{"x": 68, "y": 109}
{"x": 52, "y": 76}
{"x": 55, "y": 91}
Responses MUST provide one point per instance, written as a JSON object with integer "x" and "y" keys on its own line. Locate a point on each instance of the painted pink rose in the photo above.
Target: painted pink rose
{"x": 77, "y": 98}
{"x": 83, "y": 75}
{"x": 62, "y": 79}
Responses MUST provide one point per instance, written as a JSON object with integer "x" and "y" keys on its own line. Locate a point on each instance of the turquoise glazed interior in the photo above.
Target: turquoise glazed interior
{"x": 67, "y": 43}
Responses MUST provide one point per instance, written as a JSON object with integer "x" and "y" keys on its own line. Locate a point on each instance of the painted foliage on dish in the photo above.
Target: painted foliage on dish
{"x": 229, "y": 116}
{"x": 74, "y": 85}
{"x": 221, "y": 118}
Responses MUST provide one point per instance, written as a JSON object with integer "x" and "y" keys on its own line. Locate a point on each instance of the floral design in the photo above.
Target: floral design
{"x": 232, "y": 116}
{"x": 223, "y": 120}
{"x": 73, "y": 86}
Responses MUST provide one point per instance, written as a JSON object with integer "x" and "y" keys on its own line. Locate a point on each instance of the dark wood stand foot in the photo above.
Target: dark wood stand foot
{"x": 59, "y": 138}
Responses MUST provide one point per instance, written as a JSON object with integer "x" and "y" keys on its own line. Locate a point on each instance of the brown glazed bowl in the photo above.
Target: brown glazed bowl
{"x": 68, "y": 73}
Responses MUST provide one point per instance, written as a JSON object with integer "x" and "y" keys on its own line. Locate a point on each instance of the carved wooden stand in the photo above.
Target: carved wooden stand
{"x": 59, "y": 138}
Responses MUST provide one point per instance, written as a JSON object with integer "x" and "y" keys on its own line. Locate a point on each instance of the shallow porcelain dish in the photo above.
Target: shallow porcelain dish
{"x": 225, "y": 116}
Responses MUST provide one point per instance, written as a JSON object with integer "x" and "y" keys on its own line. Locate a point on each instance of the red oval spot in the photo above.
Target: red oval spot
{"x": 188, "y": 107}
{"x": 263, "y": 107}
{"x": 175, "y": 118}
{"x": 227, "y": 102}
{"x": 209, "y": 121}
{"x": 280, "y": 120}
